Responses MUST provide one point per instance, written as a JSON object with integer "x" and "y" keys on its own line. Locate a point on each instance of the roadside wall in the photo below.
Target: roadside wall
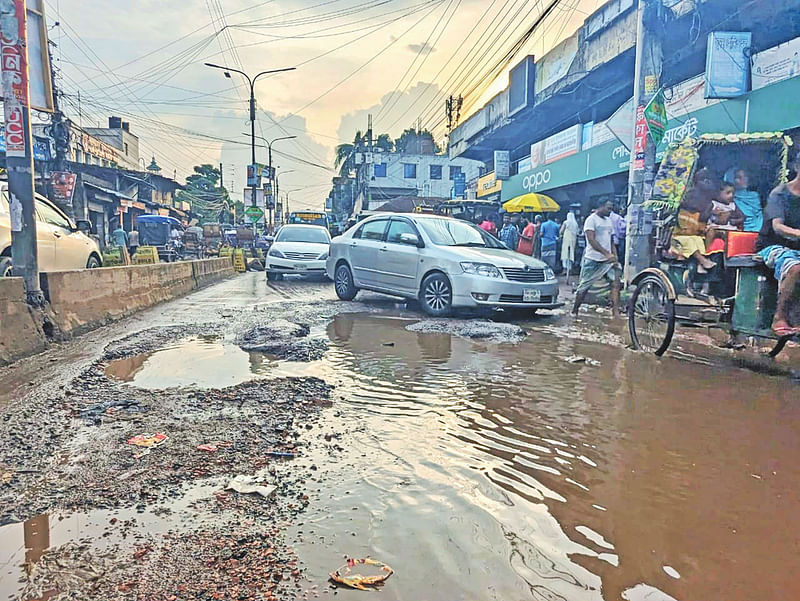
{"x": 20, "y": 327}
{"x": 83, "y": 300}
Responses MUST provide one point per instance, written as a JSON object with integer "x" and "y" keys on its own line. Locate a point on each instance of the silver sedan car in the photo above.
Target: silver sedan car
{"x": 442, "y": 262}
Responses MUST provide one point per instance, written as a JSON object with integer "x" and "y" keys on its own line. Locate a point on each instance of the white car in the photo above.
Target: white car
{"x": 442, "y": 262}
{"x": 298, "y": 249}
{"x": 62, "y": 246}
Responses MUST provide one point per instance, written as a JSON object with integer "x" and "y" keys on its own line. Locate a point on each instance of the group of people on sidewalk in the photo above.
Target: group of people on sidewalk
{"x": 604, "y": 231}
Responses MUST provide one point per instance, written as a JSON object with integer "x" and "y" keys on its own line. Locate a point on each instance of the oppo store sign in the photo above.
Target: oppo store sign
{"x": 534, "y": 181}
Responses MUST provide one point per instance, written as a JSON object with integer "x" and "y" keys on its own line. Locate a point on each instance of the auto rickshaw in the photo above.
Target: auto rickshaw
{"x": 743, "y": 292}
{"x": 193, "y": 242}
{"x": 156, "y": 230}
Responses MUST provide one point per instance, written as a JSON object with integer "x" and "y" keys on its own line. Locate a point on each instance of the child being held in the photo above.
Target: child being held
{"x": 725, "y": 216}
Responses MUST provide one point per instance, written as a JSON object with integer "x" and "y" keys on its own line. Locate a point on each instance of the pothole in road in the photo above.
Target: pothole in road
{"x": 202, "y": 362}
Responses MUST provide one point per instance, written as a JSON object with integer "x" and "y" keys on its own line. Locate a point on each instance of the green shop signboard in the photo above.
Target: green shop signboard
{"x": 773, "y": 108}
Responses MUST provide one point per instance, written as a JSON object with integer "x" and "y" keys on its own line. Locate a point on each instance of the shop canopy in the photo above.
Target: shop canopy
{"x": 531, "y": 203}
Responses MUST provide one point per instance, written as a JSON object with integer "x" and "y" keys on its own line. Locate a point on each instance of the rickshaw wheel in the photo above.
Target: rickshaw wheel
{"x": 651, "y": 316}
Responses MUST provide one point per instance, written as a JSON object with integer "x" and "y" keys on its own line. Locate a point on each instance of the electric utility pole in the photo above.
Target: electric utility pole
{"x": 19, "y": 149}
{"x": 641, "y": 173}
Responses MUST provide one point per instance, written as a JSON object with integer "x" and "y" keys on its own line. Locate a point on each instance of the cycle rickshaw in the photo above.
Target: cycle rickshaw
{"x": 746, "y": 292}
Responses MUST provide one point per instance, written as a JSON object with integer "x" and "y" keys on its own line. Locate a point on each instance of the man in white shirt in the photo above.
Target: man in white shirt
{"x": 600, "y": 257}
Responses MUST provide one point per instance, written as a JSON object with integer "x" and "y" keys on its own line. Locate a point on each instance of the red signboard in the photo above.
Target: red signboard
{"x": 13, "y": 60}
{"x": 640, "y": 139}
{"x": 63, "y": 186}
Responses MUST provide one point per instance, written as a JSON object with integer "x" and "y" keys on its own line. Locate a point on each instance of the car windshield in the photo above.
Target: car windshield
{"x": 314, "y": 235}
{"x": 451, "y": 232}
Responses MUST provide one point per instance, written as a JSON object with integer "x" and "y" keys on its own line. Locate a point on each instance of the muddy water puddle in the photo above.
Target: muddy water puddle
{"x": 201, "y": 362}
{"x": 499, "y": 471}
{"x": 482, "y": 471}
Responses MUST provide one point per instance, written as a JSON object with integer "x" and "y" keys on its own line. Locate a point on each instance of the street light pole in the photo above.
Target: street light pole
{"x": 252, "y": 82}
{"x": 277, "y": 189}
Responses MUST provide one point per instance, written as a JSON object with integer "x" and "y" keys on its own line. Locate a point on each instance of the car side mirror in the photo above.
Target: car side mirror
{"x": 410, "y": 239}
{"x": 84, "y": 226}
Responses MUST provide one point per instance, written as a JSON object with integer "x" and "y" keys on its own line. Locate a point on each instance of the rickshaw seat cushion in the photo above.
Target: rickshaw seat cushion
{"x": 741, "y": 243}
{"x": 740, "y": 261}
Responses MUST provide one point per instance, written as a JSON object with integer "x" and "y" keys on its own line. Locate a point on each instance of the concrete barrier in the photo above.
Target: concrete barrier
{"x": 83, "y": 300}
{"x": 21, "y": 331}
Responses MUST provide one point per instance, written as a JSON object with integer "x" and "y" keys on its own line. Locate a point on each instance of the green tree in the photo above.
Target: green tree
{"x": 203, "y": 192}
{"x": 413, "y": 141}
{"x": 345, "y": 160}
{"x": 384, "y": 142}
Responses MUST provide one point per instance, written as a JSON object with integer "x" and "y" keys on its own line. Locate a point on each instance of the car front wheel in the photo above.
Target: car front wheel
{"x": 436, "y": 295}
{"x": 343, "y": 283}
{"x": 5, "y": 267}
{"x": 93, "y": 263}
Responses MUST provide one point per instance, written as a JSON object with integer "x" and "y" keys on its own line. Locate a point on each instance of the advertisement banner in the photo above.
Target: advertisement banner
{"x": 640, "y": 139}
{"x": 62, "y": 184}
{"x": 537, "y": 155}
{"x": 502, "y": 164}
{"x": 621, "y": 123}
{"x": 459, "y": 185}
{"x": 656, "y": 115}
{"x": 563, "y": 144}
{"x": 13, "y": 57}
{"x": 555, "y": 65}
{"x": 727, "y": 63}
{"x": 776, "y": 64}
{"x": 247, "y": 197}
{"x": 488, "y": 185}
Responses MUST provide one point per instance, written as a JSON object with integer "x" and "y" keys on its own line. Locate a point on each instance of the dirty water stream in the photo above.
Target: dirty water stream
{"x": 499, "y": 471}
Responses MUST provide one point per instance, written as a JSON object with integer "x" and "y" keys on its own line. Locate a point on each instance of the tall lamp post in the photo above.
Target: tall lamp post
{"x": 269, "y": 150}
{"x": 252, "y": 82}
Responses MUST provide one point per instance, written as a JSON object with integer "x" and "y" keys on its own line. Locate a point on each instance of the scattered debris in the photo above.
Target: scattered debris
{"x": 345, "y": 575}
{"x": 212, "y": 447}
{"x": 471, "y": 328}
{"x": 290, "y": 455}
{"x": 148, "y": 440}
{"x": 95, "y": 413}
{"x": 246, "y": 485}
{"x": 582, "y": 359}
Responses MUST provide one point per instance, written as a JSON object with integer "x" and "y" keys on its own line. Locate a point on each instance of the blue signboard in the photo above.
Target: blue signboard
{"x": 459, "y": 185}
{"x": 41, "y": 147}
{"x": 727, "y": 64}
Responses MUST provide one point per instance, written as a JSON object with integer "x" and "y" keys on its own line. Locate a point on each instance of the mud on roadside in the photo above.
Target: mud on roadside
{"x": 71, "y": 454}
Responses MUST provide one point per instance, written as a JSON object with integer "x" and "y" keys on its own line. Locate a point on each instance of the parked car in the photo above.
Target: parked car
{"x": 442, "y": 262}
{"x": 61, "y": 244}
{"x": 299, "y": 249}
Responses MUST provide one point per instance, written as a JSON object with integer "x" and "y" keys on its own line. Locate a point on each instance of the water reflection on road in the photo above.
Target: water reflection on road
{"x": 506, "y": 472}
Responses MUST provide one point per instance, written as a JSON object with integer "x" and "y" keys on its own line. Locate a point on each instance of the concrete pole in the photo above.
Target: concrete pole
{"x": 641, "y": 173}
{"x": 19, "y": 149}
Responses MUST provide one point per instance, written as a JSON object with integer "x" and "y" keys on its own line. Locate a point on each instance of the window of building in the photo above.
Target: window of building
{"x": 409, "y": 170}
{"x": 380, "y": 169}
{"x": 126, "y": 148}
{"x": 436, "y": 172}
{"x": 454, "y": 170}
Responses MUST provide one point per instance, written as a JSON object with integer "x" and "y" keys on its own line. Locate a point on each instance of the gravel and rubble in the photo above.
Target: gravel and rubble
{"x": 71, "y": 454}
{"x": 489, "y": 331}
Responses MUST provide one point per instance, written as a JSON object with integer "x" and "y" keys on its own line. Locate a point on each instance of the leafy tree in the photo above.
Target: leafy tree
{"x": 345, "y": 160}
{"x": 411, "y": 141}
{"x": 384, "y": 142}
{"x": 203, "y": 192}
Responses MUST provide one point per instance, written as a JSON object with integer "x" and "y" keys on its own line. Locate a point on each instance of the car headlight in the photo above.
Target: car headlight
{"x": 483, "y": 269}
{"x": 323, "y": 256}
{"x": 548, "y": 274}
{"x": 275, "y": 253}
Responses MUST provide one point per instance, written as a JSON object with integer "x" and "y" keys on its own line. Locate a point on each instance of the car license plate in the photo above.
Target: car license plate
{"x": 531, "y": 296}
{"x": 299, "y": 267}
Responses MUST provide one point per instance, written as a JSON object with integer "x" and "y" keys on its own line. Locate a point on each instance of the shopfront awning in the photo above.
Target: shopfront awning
{"x": 108, "y": 191}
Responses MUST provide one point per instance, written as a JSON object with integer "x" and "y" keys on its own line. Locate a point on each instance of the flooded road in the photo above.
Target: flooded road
{"x": 562, "y": 467}
{"x": 505, "y": 472}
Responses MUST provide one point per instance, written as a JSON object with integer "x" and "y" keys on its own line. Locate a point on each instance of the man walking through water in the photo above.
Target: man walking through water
{"x": 600, "y": 258}
{"x": 779, "y": 246}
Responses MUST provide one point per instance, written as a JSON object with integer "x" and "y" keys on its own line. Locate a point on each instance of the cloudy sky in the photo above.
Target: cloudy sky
{"x": 396, "y": 59}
